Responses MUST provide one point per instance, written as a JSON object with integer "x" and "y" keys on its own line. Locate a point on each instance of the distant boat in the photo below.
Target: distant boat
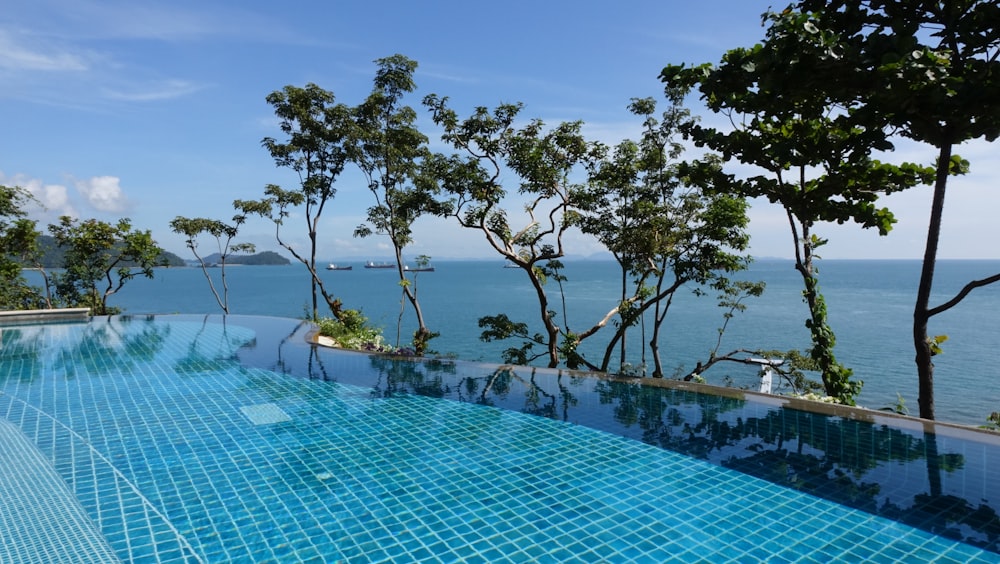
{"x": 332, "y": 266}
{"x": 371, "y": 264}
{"x": 510, "y": 265}
{"x": 419, "y": 269}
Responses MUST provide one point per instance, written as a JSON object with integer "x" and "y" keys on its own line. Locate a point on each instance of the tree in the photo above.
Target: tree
{"x": 223, "y": 234}
{"x": 18, "y": 247}
{"x": 816, "y": 155}
{"x": 388, "y": 150}
{"x": 100, "y": 258}
{"x": 666, "y": 228}
{"x": 316, "y": 150}
{"x": 930, "y": 69}
{"x": 543, "y": 160}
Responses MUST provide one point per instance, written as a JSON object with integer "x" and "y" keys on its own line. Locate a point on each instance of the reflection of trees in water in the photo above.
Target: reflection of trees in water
{"x": 829, "y": 457}
{"x": 196, "y": 361}
{"x": 505, "y": 380}
{"x": 112, "y": 346}
{"x": 271, "y": 347}
{"x": 141, "y": 337}
{"x": 399, "y": 376}
{"x": 440, "y": 379}
{"x": 23, "y": 345}
{"x": 847, "y": 461}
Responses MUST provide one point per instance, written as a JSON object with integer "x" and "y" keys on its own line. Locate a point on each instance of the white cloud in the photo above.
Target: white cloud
{"x": 165, "y": 90}
{"x": 103, "y": 193}
{"x": 17, "y": 56}
{"x": 53, "y": 199}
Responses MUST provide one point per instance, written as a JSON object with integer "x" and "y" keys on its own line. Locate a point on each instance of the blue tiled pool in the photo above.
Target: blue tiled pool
{"x": 203, "y": 439}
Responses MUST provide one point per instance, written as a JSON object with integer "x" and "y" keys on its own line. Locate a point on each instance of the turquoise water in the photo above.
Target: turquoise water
{"x": 870, "y": 305}
{"x": 191, "y": 439}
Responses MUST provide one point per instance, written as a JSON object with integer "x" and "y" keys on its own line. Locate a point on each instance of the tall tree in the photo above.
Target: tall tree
{"x": 100, "y": 258}
{"x": 543, "y": 161}
{"x": 930, "y": 69}
{"x": 665, "y": 228}
{"x": 389, "y": 150}
{"x": 316, "y": 150}
{"x": 816, "y": 156}
{"x": 223, "y": 234}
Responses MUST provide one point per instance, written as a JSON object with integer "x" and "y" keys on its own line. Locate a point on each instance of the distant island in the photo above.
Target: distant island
{"x": 52, "y": 257}
{"x": 270, "y": 258}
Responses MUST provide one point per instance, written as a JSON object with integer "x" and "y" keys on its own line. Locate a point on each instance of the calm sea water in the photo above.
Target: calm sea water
{"x": 870, "y": 306}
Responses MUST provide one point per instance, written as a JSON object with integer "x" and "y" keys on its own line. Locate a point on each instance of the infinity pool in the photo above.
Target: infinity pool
{"x": 211, "y": 439}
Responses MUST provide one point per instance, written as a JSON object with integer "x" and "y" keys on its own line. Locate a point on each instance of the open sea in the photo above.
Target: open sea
{"x": 870, "y": 307}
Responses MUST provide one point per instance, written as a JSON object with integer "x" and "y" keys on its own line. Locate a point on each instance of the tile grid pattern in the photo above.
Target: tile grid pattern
{"x": 35, "y": 498}
{"x": 409, "y": 478}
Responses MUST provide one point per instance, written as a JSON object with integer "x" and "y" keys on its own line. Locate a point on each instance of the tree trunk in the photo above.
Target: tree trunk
{"x": 622, "y": 350}
{"x": 921, "y": 315}
{"x": 551, "y": 329}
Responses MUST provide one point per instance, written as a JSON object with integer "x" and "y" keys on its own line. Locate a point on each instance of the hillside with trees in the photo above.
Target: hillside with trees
{"x": 52, "y": 256}
{"x": 266, "y": 258}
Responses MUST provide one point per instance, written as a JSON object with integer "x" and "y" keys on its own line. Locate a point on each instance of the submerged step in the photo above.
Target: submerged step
{"x": 40, "y": 518}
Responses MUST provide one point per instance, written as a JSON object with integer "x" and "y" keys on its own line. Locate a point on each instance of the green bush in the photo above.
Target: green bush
{"x": 352, "y": 331}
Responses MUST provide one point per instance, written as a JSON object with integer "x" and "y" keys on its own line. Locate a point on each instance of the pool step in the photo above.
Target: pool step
{"x": 41, "y": 519}
{"x": 265, "y": 414}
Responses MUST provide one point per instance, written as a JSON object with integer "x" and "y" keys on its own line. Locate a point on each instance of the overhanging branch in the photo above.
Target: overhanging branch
{"x": 961, "y": 295}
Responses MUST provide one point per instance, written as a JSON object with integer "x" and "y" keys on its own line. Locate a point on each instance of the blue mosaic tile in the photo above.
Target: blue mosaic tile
{"x": 173, "y": 458}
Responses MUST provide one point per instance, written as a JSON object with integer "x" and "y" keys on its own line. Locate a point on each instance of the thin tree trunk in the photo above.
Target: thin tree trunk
{"x": 622, "y": 351}
{"x": 551, "y": 329}
{"x": 921, "y": 314}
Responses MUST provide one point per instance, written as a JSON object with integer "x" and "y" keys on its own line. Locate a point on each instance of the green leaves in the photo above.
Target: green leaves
{"x": 100, "y": 258}
{"x": 935, "y": 344}
{"x": 223, "y": 233}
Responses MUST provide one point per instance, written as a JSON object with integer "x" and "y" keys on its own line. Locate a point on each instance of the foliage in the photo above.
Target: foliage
{"x": 543, "y": 160}
{"x": 352, "y": 331}
{"x": 927, "y": 71}
{"x": 99, "y": 259}
{"x": 316, "y": 149}
{"x": 18, "y": 247}
{"x": 666, "y": 222}
{"x": 938, "y": 78}
{"x": 388, "y": 149}
{"x": 500, "y": 327}
{"x": 993, "y": 421}
{"x": 223, "y": 234}
{"x": 814, "y": 149}
{"x": 899, "y": 407}
{"x": 47, "y": 254}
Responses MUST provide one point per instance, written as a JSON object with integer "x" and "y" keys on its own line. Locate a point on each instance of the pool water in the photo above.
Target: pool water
{"x": 211, "y": 439}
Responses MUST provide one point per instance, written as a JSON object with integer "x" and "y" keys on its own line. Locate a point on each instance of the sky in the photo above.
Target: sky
{"x": 154, "y": 109}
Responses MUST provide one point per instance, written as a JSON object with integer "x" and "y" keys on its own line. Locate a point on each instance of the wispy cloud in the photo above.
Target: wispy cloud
{"x": 164, "y": 90}
{"x": 159, "y": 21}
{"x": 17, "y": 53}
{"x": 84, "y": 53}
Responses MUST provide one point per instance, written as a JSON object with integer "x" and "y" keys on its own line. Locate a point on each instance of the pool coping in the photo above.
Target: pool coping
{"x": 13, "y": 317}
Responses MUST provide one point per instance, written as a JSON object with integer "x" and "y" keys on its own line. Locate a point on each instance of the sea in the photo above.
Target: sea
{"x": 870, "y": 306}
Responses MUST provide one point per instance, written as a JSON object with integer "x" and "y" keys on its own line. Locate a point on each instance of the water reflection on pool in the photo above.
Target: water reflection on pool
{"x": 210, "y": 439}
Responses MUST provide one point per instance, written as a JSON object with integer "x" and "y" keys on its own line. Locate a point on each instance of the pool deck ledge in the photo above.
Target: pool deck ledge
{"x": 44, "y": 315}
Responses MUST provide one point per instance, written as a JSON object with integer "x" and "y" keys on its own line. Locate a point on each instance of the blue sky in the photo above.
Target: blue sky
{"x": 155, "y": 109}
